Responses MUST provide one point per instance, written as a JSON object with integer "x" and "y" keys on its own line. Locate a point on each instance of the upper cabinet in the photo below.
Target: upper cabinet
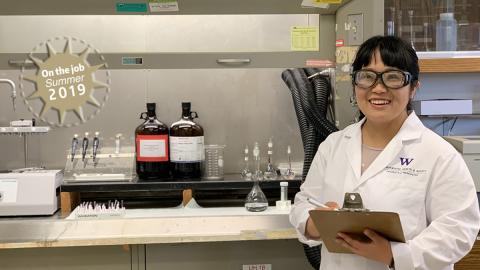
{"x": 201, "y": 34}
{"x": 446, "y": 33}
{"x": 162, "y": 34}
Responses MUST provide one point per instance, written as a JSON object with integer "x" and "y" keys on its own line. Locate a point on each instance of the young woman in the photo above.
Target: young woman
{"x": 397, "y": 165}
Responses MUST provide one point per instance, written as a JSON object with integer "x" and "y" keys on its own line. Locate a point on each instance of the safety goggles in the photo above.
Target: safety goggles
{"x": 392, "y": 78}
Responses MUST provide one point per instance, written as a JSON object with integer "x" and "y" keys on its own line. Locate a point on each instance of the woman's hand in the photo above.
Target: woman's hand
{"x": 311, "y": 231}
{"x": 378, "y": 249}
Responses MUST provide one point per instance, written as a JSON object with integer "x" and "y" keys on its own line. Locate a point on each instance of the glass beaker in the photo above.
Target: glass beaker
{"x": 213, "y": 162}
{"x": 256, "y": 200}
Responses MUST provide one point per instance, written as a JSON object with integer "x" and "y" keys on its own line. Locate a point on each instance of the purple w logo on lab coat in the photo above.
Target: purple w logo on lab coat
{"x": 405, "y": 161}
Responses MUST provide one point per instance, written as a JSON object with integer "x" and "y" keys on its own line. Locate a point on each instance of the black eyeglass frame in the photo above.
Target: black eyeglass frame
{"x": 407, "y": 75}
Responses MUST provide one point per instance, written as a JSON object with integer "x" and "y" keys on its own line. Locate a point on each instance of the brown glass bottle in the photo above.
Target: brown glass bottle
{"x": 151, "y": 147}
{"x": 186, "y": 146}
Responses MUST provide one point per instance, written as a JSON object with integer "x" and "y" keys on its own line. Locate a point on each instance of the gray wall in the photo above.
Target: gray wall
{"x": 372, "y": 11}
{"x": 236, "y": 107}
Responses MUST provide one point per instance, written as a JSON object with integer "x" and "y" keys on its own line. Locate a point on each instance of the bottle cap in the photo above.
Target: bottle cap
{"x": 151, "y": 109}
{"x": 284, "y": 184}
{"x": 446, "y": 16}
{"x": 186, "y": 108}
{"x": 151, "y": 106}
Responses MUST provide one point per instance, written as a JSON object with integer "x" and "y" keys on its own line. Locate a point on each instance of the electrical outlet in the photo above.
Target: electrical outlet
{"x": 354, "y": 29}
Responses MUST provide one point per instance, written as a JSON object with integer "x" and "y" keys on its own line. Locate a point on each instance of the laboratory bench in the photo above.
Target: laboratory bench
{"x": 167, "y": 225}
{"x": 182, "y": 237}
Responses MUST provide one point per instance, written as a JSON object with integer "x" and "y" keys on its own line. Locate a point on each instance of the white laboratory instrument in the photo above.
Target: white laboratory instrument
{"x": 30, "y": 193}
{"x": 469, "y": 147}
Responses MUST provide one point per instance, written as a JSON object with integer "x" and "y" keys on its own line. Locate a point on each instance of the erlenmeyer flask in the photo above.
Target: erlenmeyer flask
{"x": 256, "y": 200}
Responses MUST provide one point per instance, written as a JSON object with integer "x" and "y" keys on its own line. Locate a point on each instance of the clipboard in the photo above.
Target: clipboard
{"x": 329, "y": 223}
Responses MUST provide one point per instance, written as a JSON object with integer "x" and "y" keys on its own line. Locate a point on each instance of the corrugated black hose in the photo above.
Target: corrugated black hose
{"x": 310, "y": 100}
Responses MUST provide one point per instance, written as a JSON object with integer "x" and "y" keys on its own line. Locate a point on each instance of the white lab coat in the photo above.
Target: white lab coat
{"x": 418, "y": 175}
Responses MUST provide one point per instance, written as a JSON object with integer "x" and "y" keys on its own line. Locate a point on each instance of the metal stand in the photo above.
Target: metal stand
{"x": 23, "y": 132}
{"x": 25, "y": 149}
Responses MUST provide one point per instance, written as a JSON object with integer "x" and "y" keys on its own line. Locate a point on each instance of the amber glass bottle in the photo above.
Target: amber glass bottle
{"x": 151, "y": 145}
{"x": 186, "y": 146}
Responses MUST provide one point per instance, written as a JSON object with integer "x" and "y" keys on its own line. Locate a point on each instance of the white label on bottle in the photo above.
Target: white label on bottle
{"x": 187, "y": 149}
{"x": 8, "y": 191}
{"x": 152, "y": 148}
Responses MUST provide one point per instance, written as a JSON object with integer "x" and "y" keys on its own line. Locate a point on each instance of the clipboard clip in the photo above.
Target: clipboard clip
{"x": 353, "y": 202}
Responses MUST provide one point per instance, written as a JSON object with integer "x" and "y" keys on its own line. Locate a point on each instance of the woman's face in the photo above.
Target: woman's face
{"x": 379, "y": 104}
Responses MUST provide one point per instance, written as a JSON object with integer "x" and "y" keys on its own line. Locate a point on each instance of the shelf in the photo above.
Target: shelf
{"x": 220, "y": 193}
{"x": 230, "y": 182}
{"x": 453, "y": 116}
{"x": 186, "y": 7}
{"x": 23, "y": 130}
{"x": 449, "y": 65}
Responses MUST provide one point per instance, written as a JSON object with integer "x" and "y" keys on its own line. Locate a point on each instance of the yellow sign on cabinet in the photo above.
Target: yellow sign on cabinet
{"x": 304, "y": 38}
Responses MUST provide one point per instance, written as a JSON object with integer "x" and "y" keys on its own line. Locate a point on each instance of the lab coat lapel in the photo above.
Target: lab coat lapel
{"x": 354, "y": 146}
{"x": 410, "y": 130}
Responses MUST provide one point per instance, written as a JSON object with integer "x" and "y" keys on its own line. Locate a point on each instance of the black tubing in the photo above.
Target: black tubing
{"x": 310, "y": 100}
{"x": 313, "y": 255}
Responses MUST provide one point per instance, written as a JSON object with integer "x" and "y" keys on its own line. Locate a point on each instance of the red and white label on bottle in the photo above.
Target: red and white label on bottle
{"x": 152, "y": 147}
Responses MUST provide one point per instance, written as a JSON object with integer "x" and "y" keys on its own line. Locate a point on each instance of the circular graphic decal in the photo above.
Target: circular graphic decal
{"x": 66, "y": 82}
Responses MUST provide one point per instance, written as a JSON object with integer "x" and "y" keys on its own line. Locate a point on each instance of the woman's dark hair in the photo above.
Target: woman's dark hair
{"x": 394, "y": 51}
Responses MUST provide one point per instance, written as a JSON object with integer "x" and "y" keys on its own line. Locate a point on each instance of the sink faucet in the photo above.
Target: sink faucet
{"x": 14, "y": 92}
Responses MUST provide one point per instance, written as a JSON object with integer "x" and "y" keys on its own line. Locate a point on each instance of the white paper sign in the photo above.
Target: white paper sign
{"x": 8, "y": 191}
{"x": 262, "y": 266}
{"x": 163, "y": 5}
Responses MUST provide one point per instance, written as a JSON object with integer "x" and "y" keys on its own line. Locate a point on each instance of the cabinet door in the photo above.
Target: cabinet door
{"x": 72, "y": 258}
{"x": 472, "y": 260}
{"x": 280, "y": 254}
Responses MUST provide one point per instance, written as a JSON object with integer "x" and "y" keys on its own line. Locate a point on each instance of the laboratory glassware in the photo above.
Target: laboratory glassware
{"x": 425, "y": 36}
{"x": 151, "y": 144}
{"x": 258, "y": 174}
{"x": 283, "y": 191}
{"x": 391, "y": 22}
{"x": 246, "y": 173}
{"x": 256, "y": 200}
{"x": 213, "y": 162}
{"x": 270, "y": 171}
{"x": 412, "y": 32}
{"x": 289, "y": 174}
{"x": 446, "y": 33}
{"x": 187, "y": 151}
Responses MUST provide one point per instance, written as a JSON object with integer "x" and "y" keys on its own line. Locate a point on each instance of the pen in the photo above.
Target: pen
{"x": 319, "y": 204}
